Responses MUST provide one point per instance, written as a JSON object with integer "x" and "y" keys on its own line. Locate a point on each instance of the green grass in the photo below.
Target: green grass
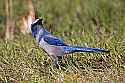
{"x": 21, "y": 60}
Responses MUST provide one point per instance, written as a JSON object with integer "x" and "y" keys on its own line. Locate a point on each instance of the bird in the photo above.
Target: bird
{"x": 55, "y": 47}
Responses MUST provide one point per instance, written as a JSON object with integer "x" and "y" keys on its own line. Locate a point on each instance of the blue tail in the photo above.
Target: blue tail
{"x": 72, "y": 49}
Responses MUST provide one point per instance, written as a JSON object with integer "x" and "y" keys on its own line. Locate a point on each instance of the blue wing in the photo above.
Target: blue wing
{"x": 54, "y": 41}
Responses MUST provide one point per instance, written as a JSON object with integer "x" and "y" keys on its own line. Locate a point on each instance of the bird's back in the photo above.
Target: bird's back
{"x": 51, "y": 49}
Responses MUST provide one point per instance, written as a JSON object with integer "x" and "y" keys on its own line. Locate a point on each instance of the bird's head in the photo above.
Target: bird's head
{"x": 37, "y": 26}
{"x": 38, "y": 22}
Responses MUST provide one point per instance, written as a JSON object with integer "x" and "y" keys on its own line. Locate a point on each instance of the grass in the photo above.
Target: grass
{"x": 22, "y": 61}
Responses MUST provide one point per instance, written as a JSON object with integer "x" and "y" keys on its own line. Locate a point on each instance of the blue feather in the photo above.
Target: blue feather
{"x": 35, "y": 30}
{"x": 54, "y": 41}
{"x": 72, "y": 49}
{"x": 45, "y": 32}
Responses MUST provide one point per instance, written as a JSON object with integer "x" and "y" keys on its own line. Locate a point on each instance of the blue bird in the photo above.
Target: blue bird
{"x": 54, "y": 46}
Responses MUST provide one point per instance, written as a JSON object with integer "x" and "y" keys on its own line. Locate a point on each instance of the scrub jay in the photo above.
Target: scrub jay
{"x": 54, "y": 46}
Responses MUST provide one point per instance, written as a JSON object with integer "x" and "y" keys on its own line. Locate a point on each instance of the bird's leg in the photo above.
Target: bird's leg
{"x": 55, "y": 60}
{"x": 60, "y": 60}
{"x": 57, "y": 64}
